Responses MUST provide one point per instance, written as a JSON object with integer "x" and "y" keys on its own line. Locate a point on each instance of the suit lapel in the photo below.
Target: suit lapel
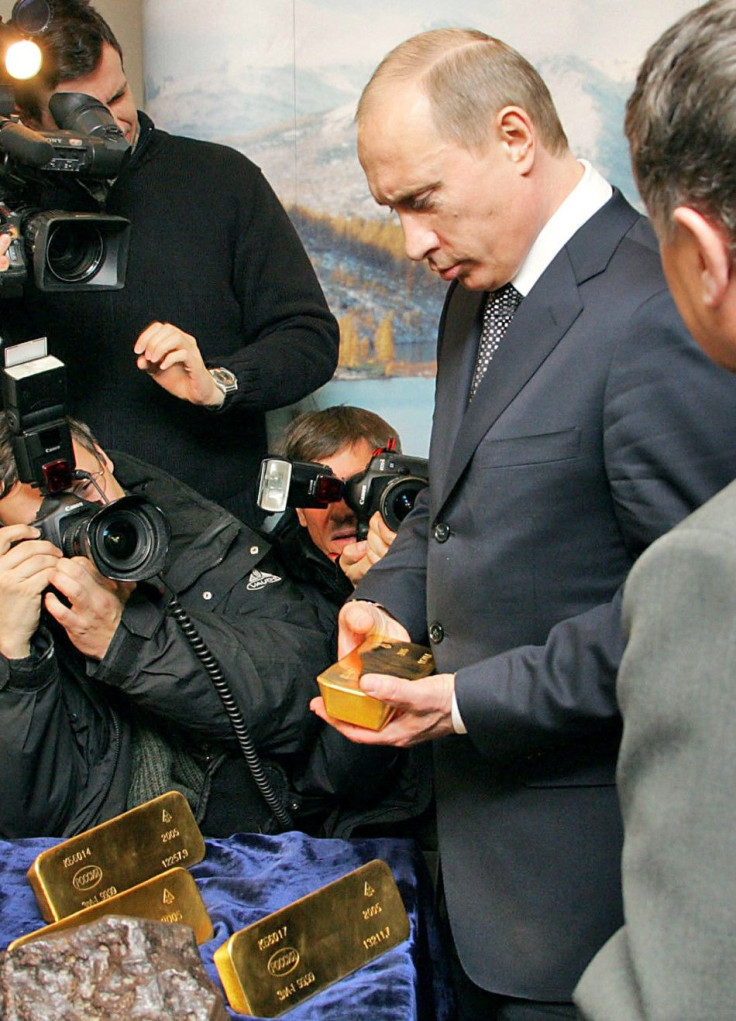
{"x": 543, "y": 318}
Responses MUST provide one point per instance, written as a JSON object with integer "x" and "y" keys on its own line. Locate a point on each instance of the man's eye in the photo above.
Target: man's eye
{"x": 420, "y": 203}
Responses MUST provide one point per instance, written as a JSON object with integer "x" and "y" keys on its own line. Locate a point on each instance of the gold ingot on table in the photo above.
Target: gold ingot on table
{"x": 170, "y": 897}
{"x": 341, "y": 691}
{"x": 276, "y": 963}
{"x": 113, "y": 857}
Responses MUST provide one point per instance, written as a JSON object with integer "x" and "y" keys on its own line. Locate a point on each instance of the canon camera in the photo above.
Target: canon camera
{"x": 389, "y": 484}
{"x": 126, "y": 539}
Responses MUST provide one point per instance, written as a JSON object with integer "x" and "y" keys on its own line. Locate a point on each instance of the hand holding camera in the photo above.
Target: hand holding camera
{"x": 357, "y": 558}
{"x": 27, "y": 565}
{"x": 91, "y": 605}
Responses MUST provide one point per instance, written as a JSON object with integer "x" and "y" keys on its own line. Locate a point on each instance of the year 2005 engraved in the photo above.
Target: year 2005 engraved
{"x": 377, "y": 938}
{"x": 272, "y": 938}
{"x": 169, "y": 835}
{"x": 177, "y": 856}
{"x": 373, "y": 910}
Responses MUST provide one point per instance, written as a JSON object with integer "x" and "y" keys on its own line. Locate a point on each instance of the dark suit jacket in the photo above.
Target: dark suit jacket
{"x": 598, "y": 426}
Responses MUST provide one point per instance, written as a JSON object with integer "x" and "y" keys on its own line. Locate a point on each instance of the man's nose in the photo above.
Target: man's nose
{"x": 419, "y": 239}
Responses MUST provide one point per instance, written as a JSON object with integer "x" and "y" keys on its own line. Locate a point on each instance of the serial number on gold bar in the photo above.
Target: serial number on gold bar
{"x": 270, "y": 966}
{"x": 115, "y": 856}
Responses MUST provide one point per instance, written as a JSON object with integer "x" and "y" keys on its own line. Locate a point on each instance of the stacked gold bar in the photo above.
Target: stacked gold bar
{"x": 130, "y": 865}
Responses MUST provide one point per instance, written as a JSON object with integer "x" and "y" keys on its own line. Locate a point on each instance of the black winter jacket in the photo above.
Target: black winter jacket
{"x": 69, "y": 727}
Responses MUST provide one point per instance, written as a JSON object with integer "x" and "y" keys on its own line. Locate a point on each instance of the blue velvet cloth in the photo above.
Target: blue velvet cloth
{"x": 248, "y": 876}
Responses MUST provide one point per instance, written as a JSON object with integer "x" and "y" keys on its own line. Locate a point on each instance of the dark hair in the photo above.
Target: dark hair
{"x": 315, "y": 435}
{"x": 681, "y": 119}
{"x": 8, "y": 470}
{"x": 71, "y": 48}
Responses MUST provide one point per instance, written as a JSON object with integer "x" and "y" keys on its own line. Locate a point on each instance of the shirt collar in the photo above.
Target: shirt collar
{"x": 588, "y": 196}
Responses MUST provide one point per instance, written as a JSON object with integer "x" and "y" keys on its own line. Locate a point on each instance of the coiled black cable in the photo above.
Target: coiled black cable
{"x": 242, "y": 734}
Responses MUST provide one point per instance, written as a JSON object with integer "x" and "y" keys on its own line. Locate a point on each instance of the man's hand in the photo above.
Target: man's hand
{"x": 96, "y": 604}
{"x": 25, "y": 571}
{"x": 424, "y": 710}
{"x": 5, "y": 240}
{"x": 173, "y": 359}
{"x": 358, "y": 619}
{"x": 358, "y": 557}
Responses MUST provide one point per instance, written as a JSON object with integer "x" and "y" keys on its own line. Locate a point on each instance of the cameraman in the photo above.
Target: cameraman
{"x": 217, "y": 278}
{"x": 103, "y": 703}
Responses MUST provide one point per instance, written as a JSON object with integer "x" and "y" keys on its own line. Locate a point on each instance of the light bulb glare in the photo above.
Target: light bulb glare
{"x": 23, "y": 59}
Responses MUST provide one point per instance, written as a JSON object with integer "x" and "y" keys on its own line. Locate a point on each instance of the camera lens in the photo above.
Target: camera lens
{"x": 128, "y": 540}
{"x": 398, "y": 499}
{"x": 75, "y": 251}
{"x": 122, "y": 542}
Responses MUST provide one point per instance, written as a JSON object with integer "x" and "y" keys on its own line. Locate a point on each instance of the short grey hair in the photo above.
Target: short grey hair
{"x": 681, "y": 119}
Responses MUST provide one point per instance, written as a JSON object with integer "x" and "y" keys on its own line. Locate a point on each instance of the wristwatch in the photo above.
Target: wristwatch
{"x": 224, "y": 380}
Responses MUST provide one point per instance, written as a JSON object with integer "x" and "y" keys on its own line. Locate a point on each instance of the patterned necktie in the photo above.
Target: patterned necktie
{"x": 498, "y": 313}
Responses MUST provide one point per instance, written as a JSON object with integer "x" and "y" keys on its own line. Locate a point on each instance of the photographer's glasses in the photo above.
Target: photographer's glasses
{"x": 87, "y": 487}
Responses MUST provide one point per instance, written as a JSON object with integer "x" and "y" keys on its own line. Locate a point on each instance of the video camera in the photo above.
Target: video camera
{"x": 68, "y": 251}
{"x": 389, "y": 484}
{"x": 126, "y": 539}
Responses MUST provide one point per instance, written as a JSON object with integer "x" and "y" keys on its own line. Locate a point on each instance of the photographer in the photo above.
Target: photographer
{"x": 242, "y": 300}
{"x": 320, "y": 543}
{"x": 103, "y": 703}
{"x": 376, "y": 791}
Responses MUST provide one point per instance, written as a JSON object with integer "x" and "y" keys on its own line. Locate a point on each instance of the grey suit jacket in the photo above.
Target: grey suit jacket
{"x": 586, "y": 441}
{"x": 674, "y": 958}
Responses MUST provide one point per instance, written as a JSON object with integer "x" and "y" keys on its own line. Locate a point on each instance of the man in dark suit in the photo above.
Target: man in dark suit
{"x": 559, "y": 452}
{"x": 673, "y": 960}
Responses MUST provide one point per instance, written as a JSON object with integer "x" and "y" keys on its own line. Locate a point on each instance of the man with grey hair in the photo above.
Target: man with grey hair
{"x": 560, "y": 450}
{"x": 673, "y": 958}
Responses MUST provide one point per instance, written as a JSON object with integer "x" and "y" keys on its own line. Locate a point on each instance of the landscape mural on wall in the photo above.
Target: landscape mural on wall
{"x": 280, "y": 83}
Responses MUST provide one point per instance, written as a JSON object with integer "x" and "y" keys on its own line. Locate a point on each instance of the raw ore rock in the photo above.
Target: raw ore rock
{"x": 116, "y": 969}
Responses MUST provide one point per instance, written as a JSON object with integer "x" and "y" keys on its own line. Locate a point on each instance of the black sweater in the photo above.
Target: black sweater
{"x": 213, "y": 252}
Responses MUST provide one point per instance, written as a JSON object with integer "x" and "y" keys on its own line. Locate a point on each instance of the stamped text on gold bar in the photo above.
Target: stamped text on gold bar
{"x": 271, "y": 966}
{"x": 171, "y": 897}
{"x": 115, "y": 856}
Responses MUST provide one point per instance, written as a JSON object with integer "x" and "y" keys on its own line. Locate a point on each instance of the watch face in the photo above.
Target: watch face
{"x": 225, "y": 379}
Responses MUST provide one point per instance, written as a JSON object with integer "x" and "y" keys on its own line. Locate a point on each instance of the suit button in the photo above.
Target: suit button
{"x": 442, "y": 531}
{"x": 436, "y": 632}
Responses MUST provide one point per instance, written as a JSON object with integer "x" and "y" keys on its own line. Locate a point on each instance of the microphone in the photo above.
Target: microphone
{"x": 27, "y": 146}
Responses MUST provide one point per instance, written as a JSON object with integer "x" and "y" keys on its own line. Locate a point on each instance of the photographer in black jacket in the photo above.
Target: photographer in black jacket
{"x": 103, "y": 703}
{"x": 376, "y": 790}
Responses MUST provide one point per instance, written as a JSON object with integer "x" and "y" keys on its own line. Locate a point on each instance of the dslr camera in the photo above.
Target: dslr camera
{"x": 64, "y": 251}
{"x": 126, "y": 539}
{"x": 389, "y": 484}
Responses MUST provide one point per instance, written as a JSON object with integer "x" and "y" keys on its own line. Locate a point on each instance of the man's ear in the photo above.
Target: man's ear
{"x": 300, "y": 515}
{"x": 516, "y": 133}
{"x": 711, "y": 250}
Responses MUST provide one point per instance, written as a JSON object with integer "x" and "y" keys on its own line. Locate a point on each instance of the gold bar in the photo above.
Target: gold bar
{"x": 377, "y": 655}
{"x": 170, "y": 897}
{"x": 271, "y": 966}
{"x": 106, "y": 860}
